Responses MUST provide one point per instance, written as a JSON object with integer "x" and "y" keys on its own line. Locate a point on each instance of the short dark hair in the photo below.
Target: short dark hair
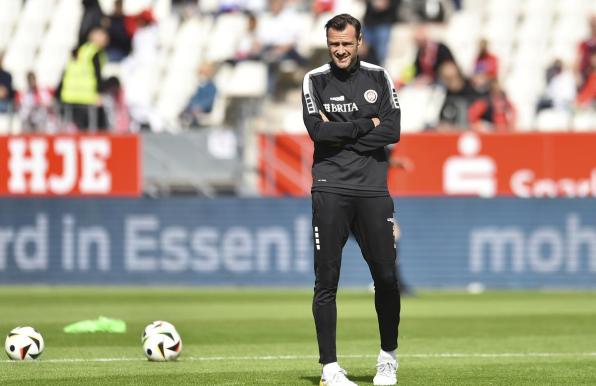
{"x": 340, "y": 22}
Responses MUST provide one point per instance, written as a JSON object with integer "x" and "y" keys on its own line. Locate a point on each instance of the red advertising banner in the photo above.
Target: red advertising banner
{"x": 467, "y": 164}
{"x": 70, "y": 165}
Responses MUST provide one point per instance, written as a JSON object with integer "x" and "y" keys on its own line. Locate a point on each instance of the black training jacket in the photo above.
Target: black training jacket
{"x": 350, "y": 156}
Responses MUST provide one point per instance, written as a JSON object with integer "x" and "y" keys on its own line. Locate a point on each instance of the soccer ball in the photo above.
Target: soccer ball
{"x": 161, "y": 342}
{"x": 159, "y": 326}
{"x": 23, "y": 344}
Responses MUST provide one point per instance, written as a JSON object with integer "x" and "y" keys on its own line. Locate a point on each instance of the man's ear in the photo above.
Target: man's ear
{"x": 359, "y": 41}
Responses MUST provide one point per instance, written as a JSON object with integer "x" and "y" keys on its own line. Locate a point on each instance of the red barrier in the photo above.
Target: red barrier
{"x": 521, "y": 164}
{"x": 70, "y": 165}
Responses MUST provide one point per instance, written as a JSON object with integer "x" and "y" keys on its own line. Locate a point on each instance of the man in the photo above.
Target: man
{"x": 80, "y": 87}
{"x": 429, "y": 57}
{"x": 351, "y": 113}
{"x": 7, "y": 92}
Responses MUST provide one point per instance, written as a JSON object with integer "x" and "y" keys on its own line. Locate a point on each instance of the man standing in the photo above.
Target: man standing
{"x": 351, "y": 113}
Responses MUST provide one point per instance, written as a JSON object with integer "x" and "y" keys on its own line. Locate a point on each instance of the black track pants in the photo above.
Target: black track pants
{"x": 370, "y": 221}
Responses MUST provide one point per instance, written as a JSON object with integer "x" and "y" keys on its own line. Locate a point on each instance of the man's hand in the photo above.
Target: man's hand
{"x": 324, "y": 117}
{"x": 376, "y": 121}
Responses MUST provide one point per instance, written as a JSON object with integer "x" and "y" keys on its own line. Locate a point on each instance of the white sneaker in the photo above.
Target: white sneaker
{"x": 338, "y": 378}
{"x": 386, "y": 373}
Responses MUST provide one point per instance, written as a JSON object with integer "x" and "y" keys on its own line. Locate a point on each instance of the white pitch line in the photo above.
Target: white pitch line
{"x": 298, "y": 357}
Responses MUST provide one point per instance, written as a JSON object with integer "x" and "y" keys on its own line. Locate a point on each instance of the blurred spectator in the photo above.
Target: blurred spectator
{"x": 587, "y": 93}
{"x": 202, "y": 101}
{"x": 6, "y": 90}
{"x": 79, "y": 89}
{"x": 459, "y": 96}
{"x": 486, "y": 67}
{"x": 34, "y": 105}
{"x": 494, "y": 112}
{"x": 586, "y": 49}
{"x": 248, "y": 47}
{"x": 278, "y": 34}
{"x": 429, "y": 57}
{"x": 93, "y": 17}
{"x": 139, "y": 72}
{"x": 120, "y": 39}
{"x": 432, "y": 10}
{"x": 116, "y": 111}
{"x": 560, "y": 88}
{"x": 377, "y": 23}
{"x": 319, "y": 7}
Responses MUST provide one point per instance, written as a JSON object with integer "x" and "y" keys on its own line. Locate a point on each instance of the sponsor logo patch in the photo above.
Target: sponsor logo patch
{"x": 370, "y": 96}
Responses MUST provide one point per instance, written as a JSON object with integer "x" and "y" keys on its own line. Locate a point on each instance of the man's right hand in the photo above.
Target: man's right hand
{"x": 376, "y": 121}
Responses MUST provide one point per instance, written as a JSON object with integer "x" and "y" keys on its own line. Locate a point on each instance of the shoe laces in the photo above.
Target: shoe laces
{"x": 386, "y": 369}
{"x": 340, "y": 377}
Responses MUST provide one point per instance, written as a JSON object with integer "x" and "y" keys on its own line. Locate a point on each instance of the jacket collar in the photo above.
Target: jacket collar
{"x": 345, "y": 74}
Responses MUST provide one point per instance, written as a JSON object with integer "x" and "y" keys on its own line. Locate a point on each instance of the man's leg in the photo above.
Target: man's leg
{"x": 331, "y": 216}
{"x": 373, "y": 228}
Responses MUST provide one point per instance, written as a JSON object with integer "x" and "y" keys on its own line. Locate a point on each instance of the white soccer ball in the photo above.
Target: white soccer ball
{"x": 161, "y": 342}
{"x": 24, "y": 344}
{"x": 159, "y": 326}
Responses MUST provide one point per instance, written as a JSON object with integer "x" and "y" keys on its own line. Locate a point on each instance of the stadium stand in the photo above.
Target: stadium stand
{"x": 526, "y": 36}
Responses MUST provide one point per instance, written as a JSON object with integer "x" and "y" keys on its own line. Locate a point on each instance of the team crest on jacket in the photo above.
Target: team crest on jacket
{"x": 370, "y": 96}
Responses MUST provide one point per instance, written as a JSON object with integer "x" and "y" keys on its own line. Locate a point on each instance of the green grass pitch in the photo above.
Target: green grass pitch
{"x": 266, "y": 337}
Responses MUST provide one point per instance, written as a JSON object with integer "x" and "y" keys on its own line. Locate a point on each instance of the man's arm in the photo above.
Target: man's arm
{"x": 389, "y": 129}
{"x": 318, "y": 125}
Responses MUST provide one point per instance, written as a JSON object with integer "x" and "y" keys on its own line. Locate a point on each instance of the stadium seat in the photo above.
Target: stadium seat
{"x": 420, "y": 106}
{"x": 208, "y": 6}
{"x": 168, "y": 27}
{"x": 8, "y": 19}
{"x": 162, "y": 10}
{"x": 553, "y": 120}
{"x": 189, "y": 43}
{"x": 500, "y": 28}
{"x": 224, "y": 36}
{"x": 354, "y": 7}
{"x": 533, "y": 28}
{"x": 406, "y": 49}
{"x": 37, "y": 11}
{"x": 49, "y": 67}
{"x": 10, "y": 10}
{"x": 316, "y": 36}
{"x": 537, "y": 7}
{"x": 248, "y": 79}
{"x": 502, "y": 8}
{"x": 576, "y": 9}
{"x": 584, "y": 120}
{"x": 570, "y": 30}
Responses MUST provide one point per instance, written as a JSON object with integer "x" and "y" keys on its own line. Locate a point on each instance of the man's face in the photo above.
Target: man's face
{"x": 343, "y": 46}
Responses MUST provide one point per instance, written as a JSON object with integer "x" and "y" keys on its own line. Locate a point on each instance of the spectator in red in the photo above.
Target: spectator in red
{"x": 586, "y": 49}
{"x": 486, "y": 67}
{"x": 430, "y": 56}
{"x": 486, "y": 62}
{"x": 494, "y": 112}
{"x": 319, "y": 7}
{"x": 587, "y": 93}
{"x": 116, "y": 110}
{"x": 34, "y": 105}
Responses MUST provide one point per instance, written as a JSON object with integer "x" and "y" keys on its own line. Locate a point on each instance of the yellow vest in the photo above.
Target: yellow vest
{"x": 79, "y": 85}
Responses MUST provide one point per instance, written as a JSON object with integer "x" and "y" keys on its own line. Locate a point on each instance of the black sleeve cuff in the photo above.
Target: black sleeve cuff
{"x": 364, "y": 125}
